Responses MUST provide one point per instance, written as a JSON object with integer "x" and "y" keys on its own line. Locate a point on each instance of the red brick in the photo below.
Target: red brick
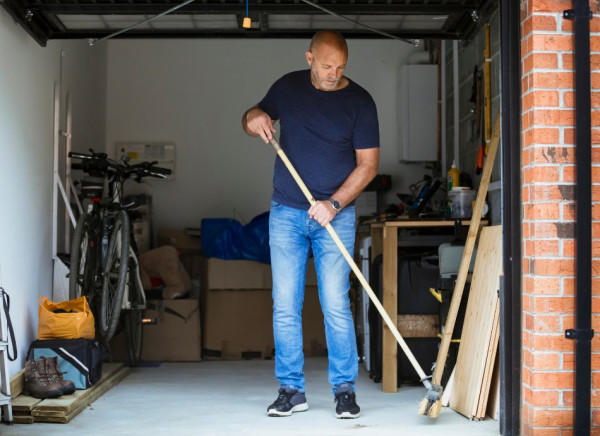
{"x": 595, "y": 79}
{"x": 543, "y": 22}
{"x": 568, "y": 286}
{"x": 546, "y": 323}
{"x": 552, "y": 418}
{"x": 543, "y": 285}
{"x": 542, "y": 398}
{"x": 553, "y": 155}
{"x": 568, "y": 322}
{"x": 554, "y": 342}
{"x": 548, "y": 6}
{"x": 558, "y": 117}
{"x": 544, "y": 247}
{"x": 568, "y": 398}
{"x": 568, "y": 212}
{"x": 568, "y": 173}
{"x": 542, "y": 211}
{"x": 556, "y": 305}
{"x": 569, "y": 361}
{"x": 550, "y": 192}
{"x": 549, "y": 42}
{"x": 553, "y": 80}
{"x": 541, "y": 173}
{"x": 543, "y": 230}
{"x": 568, "y": 247}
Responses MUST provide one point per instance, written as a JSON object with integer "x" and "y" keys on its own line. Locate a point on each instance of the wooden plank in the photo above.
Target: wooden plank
{"x": 493, "y": 407}
{"x": 418, "y": 326}
{"x": 390, "y": 305}
{"x": 65, "y": 416}
{"x": 489, "y": 365}
{"x": 24, "y": 403}
{"x": 22, "y": 419}
{"x": 474, "y": 230}
{"x": 67, "y": 402}
{"x": 16, "y": 383}
{"x": 478, "y": 328}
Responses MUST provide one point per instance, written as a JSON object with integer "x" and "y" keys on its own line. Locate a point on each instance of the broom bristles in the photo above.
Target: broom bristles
{"x": 431, "y": 405}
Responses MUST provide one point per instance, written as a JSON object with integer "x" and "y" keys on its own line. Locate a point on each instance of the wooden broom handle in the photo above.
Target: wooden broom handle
{"x": 467, "y": 254}
{"x": 354, "y": 267}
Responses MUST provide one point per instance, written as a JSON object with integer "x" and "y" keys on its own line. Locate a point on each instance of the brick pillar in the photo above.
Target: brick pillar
{"x": 548, "y": 179}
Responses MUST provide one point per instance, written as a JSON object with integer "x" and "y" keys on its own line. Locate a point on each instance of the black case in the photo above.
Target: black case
{"x": 80, "y": 359}
{"x": 418, "y": 270}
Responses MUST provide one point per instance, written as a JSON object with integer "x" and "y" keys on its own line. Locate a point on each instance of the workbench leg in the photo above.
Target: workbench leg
{"x": 390, "y": 304}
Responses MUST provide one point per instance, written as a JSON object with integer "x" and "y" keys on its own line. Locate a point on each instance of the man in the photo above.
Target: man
{"x": 330, "y": 133}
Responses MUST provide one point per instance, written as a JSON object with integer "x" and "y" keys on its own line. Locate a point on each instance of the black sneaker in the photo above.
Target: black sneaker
{"x": 288, "y": 401}
{"x": 345, "y": 404}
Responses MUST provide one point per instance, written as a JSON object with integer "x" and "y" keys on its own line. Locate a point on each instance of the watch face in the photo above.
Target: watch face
{"x": 336, "y": 205}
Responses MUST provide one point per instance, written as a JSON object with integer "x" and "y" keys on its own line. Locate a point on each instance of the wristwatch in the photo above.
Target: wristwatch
{"x": 336, "y": 204}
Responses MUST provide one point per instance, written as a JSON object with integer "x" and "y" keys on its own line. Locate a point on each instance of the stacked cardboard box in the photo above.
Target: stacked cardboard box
{"x": 237, "y": 312}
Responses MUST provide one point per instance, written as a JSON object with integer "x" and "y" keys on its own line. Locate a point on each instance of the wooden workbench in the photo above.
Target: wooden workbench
{"x": 384, "y": 240}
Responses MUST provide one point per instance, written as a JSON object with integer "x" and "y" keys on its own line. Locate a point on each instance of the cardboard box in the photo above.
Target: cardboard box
{"x": 246, "y": 274}
{"x": 181, "y": 239}
{"x": 177, "y": 334}
{"x": 238, "y": 324}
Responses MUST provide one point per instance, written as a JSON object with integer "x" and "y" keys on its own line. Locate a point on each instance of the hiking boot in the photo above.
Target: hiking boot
{"x": 288, "y": 401}
{"x": 56, "y": 375}
{"x": 36, "y": 382}
{"x": 345, "y": 403}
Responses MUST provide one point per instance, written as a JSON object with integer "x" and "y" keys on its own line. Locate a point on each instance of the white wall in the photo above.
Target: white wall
{"x": 27, "y": 77}
{"x": 194, "y": 92}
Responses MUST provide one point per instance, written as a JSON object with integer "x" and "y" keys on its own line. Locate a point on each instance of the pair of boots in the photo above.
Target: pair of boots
{"x": 43, "y": 379}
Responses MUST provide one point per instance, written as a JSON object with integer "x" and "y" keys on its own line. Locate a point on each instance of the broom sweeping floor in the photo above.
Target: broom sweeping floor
{"x": 231, "y": 397}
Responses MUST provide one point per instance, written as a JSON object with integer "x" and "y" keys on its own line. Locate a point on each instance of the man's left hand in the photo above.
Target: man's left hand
{"x": 322, "y": 212}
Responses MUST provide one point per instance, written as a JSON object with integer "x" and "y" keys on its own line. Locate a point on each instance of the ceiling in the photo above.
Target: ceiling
{"x": 96, "y": 20}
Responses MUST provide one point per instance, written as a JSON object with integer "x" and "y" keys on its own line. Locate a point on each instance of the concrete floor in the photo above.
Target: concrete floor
{"x": 231, "y": 397}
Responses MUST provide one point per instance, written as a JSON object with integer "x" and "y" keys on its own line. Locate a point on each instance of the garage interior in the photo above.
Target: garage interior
{"x": 123, "y": 77}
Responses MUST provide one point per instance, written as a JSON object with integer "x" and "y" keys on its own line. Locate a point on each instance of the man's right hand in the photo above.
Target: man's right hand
{"x": 256, "y": 122}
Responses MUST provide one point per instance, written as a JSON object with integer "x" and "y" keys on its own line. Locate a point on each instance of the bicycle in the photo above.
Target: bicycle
{"x": 104, "y": 264}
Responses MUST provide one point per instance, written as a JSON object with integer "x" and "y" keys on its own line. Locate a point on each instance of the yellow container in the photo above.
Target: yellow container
{"x": 453, "y": 177}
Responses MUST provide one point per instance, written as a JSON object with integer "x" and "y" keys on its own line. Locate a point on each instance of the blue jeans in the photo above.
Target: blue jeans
{"x": 292, "y": 235}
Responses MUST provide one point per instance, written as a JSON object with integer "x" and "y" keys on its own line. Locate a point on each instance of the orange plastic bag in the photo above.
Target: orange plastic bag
{"x": 77, "y": 320}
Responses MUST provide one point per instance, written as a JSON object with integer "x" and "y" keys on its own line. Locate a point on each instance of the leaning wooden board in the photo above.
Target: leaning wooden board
{"x": 28, "y": 409}
{"x": 479, "y": 339}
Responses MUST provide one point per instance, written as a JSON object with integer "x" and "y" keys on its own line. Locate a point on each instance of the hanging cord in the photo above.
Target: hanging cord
{"x": 11, "y": 333}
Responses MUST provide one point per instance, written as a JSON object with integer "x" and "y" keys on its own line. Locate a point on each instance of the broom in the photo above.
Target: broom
{"x": 350, "y": 260}
{"x": 432, "y": 403}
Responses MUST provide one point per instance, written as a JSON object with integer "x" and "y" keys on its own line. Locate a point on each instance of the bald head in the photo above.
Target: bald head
{"x": 329, "y": 38}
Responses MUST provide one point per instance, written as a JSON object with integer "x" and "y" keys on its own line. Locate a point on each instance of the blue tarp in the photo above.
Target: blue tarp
{"x": 226, "y": 238}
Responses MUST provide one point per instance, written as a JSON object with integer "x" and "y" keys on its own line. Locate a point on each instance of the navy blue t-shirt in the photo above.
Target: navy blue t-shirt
{"x": 319, "y": 132}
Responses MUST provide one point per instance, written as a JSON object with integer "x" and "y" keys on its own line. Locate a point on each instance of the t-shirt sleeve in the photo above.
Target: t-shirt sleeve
{"x": 366, "y": 129}
{"x": 270, "y": 101}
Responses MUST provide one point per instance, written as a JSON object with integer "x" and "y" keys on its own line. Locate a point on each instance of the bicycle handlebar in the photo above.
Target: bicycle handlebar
{"x": 100, "y": 164}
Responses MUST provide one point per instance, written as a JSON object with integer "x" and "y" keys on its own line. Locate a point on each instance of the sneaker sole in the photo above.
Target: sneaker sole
{"x": 347, "y": 415}
{"x": 298, "y": 408}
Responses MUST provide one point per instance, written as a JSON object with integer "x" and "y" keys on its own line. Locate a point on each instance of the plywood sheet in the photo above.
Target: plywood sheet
{"x": 479, "y": 339}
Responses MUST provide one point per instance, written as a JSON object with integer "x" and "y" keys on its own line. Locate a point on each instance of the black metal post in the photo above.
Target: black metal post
{"x": 510, "y": 285}
{"x": 583, "y": 332}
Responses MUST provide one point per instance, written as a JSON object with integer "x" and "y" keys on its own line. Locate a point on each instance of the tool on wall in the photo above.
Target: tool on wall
{"x": 391, "y": 325}
{"x": 487, "y": 89}
{"x": 432, "y": 403}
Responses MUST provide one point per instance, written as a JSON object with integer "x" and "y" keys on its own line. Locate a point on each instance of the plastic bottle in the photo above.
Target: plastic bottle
{"x": 453, "y": 177}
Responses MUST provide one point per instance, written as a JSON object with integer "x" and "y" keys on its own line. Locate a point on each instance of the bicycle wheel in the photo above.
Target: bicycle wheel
{"x": 132, "y": 318}
{"x": 114, "y": 276}
{"x": 83, "y": 268}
